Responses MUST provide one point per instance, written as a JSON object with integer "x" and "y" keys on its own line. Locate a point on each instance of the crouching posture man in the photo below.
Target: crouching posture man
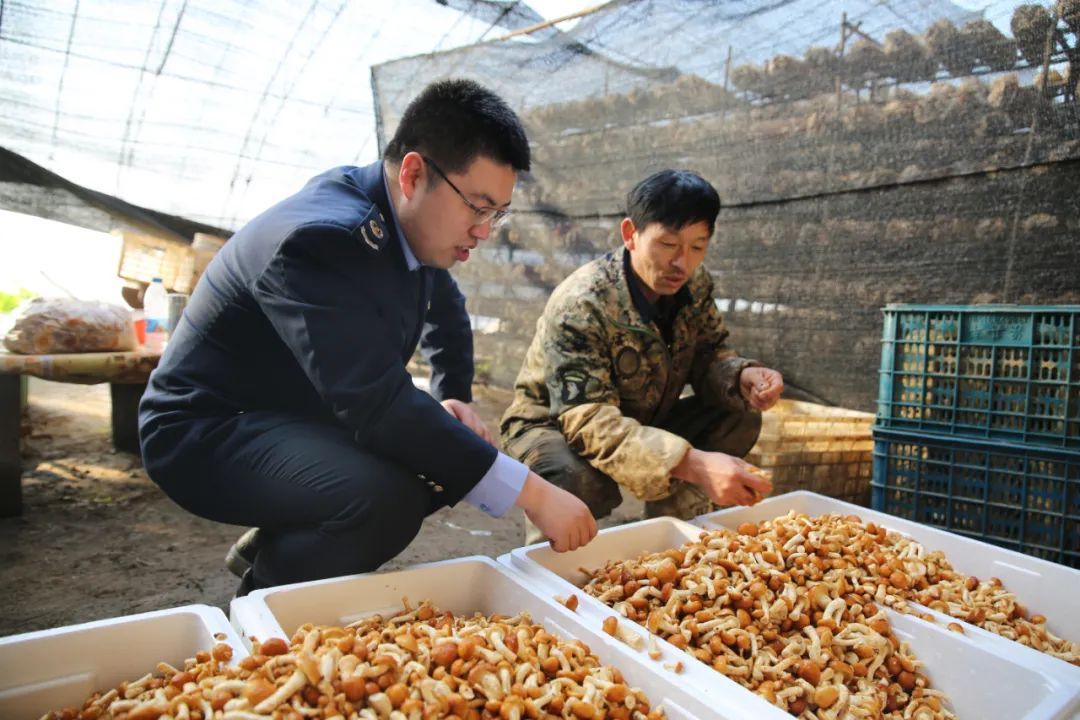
{"x": 598, "y": 400}
{"x": 283, "y": 399}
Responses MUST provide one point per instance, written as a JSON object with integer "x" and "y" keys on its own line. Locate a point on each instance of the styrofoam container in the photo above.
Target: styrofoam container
{"x": 463, "y": 586}
{"x": 51, "y": 669}
{"x": 1043, "y": 587}
{"x": 968, "y": 672}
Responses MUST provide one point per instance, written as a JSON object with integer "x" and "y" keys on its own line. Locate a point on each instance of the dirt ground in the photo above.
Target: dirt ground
{"x": 97, "y": 539}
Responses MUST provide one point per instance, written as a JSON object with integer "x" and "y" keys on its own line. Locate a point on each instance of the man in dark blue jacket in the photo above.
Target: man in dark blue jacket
{"x": 282, "y": 400}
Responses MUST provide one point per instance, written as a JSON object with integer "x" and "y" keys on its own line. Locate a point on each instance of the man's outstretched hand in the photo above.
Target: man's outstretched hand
{"x": 563, "y": 518}
{"x": 469, "y": 418}
{"x": 761, "y": 387}
{"x": 725, "y": 479}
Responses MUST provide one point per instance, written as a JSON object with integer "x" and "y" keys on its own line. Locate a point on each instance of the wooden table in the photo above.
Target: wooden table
{"x": 126, "y": 373}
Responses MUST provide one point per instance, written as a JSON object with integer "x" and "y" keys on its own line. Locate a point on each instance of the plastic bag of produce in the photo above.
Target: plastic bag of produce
{"x": 59, "y": 325}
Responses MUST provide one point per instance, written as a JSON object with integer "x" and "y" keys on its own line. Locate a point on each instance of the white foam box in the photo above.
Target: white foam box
{"x": 1043, "y": 587}
{"x": 51, "y": 669}
{"x": 980, "y": 681}
{"x": 463, "y": 586}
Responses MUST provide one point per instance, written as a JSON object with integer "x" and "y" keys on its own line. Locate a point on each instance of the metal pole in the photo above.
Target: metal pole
{"x": 840, "y": 57}
{"x": 727, "y": 68}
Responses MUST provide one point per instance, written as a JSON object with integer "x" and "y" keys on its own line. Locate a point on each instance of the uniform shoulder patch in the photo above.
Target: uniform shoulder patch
{"x": 573, "y": 384}
{"x": 372, "y": 231}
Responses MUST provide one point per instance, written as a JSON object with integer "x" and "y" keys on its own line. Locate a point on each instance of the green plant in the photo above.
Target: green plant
{"x": 10, "y": 301}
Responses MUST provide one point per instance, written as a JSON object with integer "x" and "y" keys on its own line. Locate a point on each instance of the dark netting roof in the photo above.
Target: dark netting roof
{"x": 633, "y": 68}
{"x": 629, "y": 44}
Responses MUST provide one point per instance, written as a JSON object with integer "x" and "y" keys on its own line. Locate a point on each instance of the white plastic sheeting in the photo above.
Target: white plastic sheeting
{"x": 211, "y": 110}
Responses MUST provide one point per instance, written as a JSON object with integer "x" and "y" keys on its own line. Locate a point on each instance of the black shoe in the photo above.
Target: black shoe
{"x": 241, "y": 555}
{"x": 247, "y": 584}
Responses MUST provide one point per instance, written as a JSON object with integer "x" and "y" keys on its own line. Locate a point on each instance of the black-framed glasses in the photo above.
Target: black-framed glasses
{"x": 496, "y": 216}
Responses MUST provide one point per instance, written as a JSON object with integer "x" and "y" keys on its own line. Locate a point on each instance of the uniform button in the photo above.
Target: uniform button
{"x": 422, "y": 476}
{"x": 438, "y": 488}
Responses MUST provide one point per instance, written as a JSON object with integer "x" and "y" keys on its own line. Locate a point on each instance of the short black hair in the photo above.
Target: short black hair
{"x": 454, "y": 121}
{"x": 675, "y": 199}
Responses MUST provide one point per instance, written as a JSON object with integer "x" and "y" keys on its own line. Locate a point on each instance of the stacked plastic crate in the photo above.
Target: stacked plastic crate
{"x": 978, "y": 424}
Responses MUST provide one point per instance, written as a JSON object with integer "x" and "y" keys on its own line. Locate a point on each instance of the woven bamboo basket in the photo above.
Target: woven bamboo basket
{"x": 823, "y": 449}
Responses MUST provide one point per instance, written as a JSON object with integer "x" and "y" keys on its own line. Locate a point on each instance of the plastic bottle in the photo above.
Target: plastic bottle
{"x": 156, "y": 309}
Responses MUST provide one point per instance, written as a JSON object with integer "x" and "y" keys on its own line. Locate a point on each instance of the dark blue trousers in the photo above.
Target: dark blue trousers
{"x": 324, "y": 505}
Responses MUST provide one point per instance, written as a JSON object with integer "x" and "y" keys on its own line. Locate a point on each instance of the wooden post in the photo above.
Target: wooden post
{"x": 12, "y": 402}
{"x": 125, "y": 415}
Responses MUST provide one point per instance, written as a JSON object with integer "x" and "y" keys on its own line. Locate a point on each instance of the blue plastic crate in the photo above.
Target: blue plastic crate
{"x": 1020, "y": 497}
{"x": 999, "y": 372}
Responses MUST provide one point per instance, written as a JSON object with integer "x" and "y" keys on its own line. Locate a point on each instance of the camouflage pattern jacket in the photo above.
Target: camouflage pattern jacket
{"x": 606, "y": 379}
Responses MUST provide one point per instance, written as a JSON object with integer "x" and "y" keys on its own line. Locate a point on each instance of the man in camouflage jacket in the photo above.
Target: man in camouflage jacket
{"x": 598, "y": 400}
